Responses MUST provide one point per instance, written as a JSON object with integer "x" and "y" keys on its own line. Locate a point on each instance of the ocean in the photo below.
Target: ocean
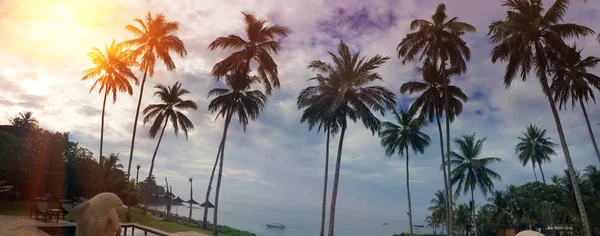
{"x": 298, "y": 222}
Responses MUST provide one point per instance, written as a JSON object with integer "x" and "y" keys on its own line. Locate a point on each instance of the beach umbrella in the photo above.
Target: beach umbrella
{"x": 207, "y": 204}
{"x": 191, "y": 201}
{"x": 178, "y": 202}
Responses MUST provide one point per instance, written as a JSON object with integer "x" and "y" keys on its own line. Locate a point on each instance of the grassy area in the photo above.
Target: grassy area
{"x": 171, "y": 227}
{"x": 23, "y": 208}
{"x": 15, "y": 208}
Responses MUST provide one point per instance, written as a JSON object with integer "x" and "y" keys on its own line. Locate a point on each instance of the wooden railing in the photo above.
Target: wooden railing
{"x": 142, "y": 228}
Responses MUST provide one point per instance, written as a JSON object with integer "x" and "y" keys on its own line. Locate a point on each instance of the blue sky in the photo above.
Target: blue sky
{"x": 277, "y": 161}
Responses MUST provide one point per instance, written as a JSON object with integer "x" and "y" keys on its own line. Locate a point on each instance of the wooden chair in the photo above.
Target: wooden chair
{"x": 41, "y": 208}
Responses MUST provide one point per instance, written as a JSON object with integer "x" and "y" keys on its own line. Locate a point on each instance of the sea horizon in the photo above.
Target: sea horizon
{"x": 298, "y": 222}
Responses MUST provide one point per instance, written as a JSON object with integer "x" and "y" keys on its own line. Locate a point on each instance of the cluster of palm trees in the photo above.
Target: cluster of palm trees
{"x": 154, "y": 38}
{"x": 532, "y": 205}
{"x": 529, "y": 39}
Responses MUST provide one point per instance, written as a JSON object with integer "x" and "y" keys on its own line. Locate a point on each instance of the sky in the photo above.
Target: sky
{"x": 277, "y": 161}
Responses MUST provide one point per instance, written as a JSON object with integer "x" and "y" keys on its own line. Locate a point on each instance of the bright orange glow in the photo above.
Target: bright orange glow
{"x": 58, "y": 25}
{"x": 52, "y": 28}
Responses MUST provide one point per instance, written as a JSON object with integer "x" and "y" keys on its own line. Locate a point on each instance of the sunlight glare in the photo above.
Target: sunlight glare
{"x": 36, "y": 85}
{"x": 60, "y": 25}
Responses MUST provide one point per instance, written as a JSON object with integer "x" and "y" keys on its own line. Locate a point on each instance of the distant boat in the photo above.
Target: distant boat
{"x": 419, "y": 226}
{"x": 276, "y": 225}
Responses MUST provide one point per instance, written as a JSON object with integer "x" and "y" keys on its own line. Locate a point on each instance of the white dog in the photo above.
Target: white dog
{"x": 98, "y": 216}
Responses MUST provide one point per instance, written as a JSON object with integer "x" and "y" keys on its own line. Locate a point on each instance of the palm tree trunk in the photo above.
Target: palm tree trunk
{"x": 534, "y": 174}
{"x": 587, "y": 121}
{"x": 101, "y": 159}
{"x": 102, "y": 125}
{"x": 212, "y": 175}
{"x": 336, "y": 180}
{"x": 473, "y": 211}
{"x": 437, "y": 117}
{"x": 191, "y": 196}
{"x": 323, "y": 208}
{"x": 446, "y": 105}
{"x": 542, "y": 171}
{"x": 410, "y": 224}
{"x": 154, "y": 157}
{"x": 545, "y": 204}
{"x": 137, "y": 114}
{"x": 168, "y": 202}
{"x": 570, "y": 168}
{"x": 222, "y": 147}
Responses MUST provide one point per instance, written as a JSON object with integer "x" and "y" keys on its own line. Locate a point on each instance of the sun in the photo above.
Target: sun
{"x": 61, "y": 25}
{"x": 36, "y": 85}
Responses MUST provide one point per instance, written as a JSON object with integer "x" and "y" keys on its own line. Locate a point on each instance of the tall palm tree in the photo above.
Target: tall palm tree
{"x": 431, "y": 101}
{"x": 471, "y": 171}
{"x": 170, "y": 109}
{"x": 398, "y": 138}
{"x": 527, "y": 39}
{"x": 317, "y": 115}
{"x": 536, "y": 148}
{"x": 112, "y": 72}
{"x": 572, "y": 81}
{"x": 439, "y": 41}
{"x": 236, "y": 100}
{"x": 262, "y": 41}
{"x": 25, "y": 121}
{"x": 155, "y": 37}
{"x": 191, "y": 196}
{"x": 349, "y": 94}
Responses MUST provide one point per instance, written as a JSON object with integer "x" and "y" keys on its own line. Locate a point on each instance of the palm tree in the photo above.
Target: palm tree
{"x": 191, "y": 196}
{"x": 155, "y": 38}
{"x": 25, "y": 121}
{"x": 398, "y": 138}
{"x": 112, "y": 73}
{"x": 317, "y": 115}
{"x": 483, "y": 219}
{"x": 527, "y": 39}
{"x": 438, "y": 209}
{"x": 108, "y": 165}
{"x": 170, "y": 108}
{"x": 439, "y": 41}
{"x": 431, "y": 223}
{"x": 471, "y": 171}
{"x": 237, "y": 100}
{"x": 462, "y": 217}
{"x": 348, "y": 94}
{"x": 431, "y": 101}
{"x": 262, "y": 41}
{"x": 536, "y": 148}
{"x": 572, "y": 81}
{"x": 498, "y": 207}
